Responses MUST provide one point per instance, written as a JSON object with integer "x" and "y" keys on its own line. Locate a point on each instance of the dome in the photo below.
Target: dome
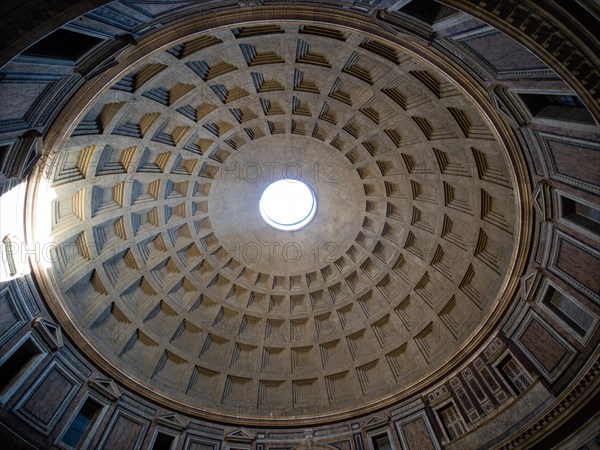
{"x": 162, "y": 260}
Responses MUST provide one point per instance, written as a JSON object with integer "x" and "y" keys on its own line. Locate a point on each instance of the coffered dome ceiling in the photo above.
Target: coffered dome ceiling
{"x": 169, "y": 277}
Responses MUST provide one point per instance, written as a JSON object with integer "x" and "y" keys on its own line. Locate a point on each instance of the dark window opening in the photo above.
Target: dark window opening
{"x": 583, "y": 215}
{"x": 163, "y": 442}
{"x": 567, "y": 108}
{"x": 428, "y": 11}
{"x": 381, "y": 442}
{"x": 16, "y": 364}
{"x": 63, "y": 44}
{"x": 82, "y": 423}
{"x": 569, "y": 311}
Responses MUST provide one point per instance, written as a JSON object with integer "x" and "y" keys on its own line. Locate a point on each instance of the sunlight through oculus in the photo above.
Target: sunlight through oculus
{"x": 288, "y": 205}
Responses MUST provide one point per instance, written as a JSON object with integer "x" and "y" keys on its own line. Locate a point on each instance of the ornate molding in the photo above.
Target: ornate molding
{"x": 565, "y": 405}
{"x": 548, "y": 37}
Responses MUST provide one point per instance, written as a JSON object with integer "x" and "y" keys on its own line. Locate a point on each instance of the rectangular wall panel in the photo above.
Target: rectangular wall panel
{"x": 576, "y": 263}
{"x": 546, "y": 349}
{"x": 573, "y": 161}
{"x": 46, "y": 400}
{"x": 12, "y": 313}
{"x": 415, "y": 433}
{"x": 199, "y": 443}
{"x": 125, "y": 430}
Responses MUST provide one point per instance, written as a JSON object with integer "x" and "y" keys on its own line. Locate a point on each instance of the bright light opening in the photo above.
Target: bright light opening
{"x": 288, "y": 205}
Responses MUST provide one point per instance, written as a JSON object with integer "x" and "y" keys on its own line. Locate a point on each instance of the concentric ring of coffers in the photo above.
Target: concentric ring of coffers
{"x": 170, "y": 299}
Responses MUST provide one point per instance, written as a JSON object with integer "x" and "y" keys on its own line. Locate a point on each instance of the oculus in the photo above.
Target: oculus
{"x": 288, "y": 205}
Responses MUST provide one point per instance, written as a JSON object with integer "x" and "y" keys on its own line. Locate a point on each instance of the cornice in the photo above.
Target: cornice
{"x": 581, "y": 391}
